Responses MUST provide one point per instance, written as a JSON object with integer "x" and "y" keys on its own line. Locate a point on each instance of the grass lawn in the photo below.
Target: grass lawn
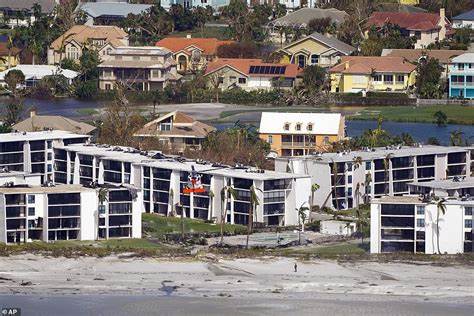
{"x": 87, "y": 111}
{"x": 457, "y": 114}
{"x": 156, "y": 225}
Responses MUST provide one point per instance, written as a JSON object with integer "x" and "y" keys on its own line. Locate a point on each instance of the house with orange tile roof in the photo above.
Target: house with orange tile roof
{"x": 251, "y": 74}
{"x": 192, "y": 53}
{"x": 177, "y": 130}
{"x": 427, "y": 28}
{"x": 103, "y": 38}
{"x": 372, "y": 73}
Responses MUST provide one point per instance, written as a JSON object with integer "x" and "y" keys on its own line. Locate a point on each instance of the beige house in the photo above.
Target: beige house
{"x": 37, "y": 123}
{"x": 138, "y": 68}
{"x": 176, "y": 130}
{"x": 192, "y": 53}
{"x": 71, "y": 44}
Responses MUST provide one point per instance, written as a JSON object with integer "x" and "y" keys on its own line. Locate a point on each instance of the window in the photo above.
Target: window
{"x": 420, "y": 210}
{"x": 400, "y": 78}
{"x": 377, "y": 78}
{"x": 270, "y": 139}
{"x": 50, "y": 168}
{"x": 310, "y": 127}
{"x": 349, "y": 192}
{"x": 242, "y": 80}
{"x": 388, "y": 78}
{"x": 31, "y": 211}
{"x": 49, "y": 143}
{"x": 418, "y": 35}
{"x": 420, "y": 222}
{"x": 165, "y": 127}
{"x": 301, "y": 61}
{"x": 460, "y": 66}
{"x": 233, "y": 78}
{"x": 468, "y": 211}
{"x": 349, "y": 179}
{"x": 286, "y": 127}
{"x": 155, "y": 73}
{"x": 298, "y": 126}
{"x": 31, "y": 199}
{"x": 326, "y": 140}
{"x": 368, "y": 165}
{"x": 50, "y": 156}
{"x": 468, "y": 223}
{"x": 314, "y": 59}
{"x": 220, "y": 80}
{"x": 107, "y": 86}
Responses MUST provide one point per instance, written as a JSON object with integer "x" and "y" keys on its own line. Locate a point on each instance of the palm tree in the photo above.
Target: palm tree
{"x": 441, "y": 208}
{"x": 456, "y": 138}
{"x": 301, "y": 219}
{"x": 171, "y": 202}
{"x": 103, "y": 196}
{"x": 254, "y": 202}
{"x": 225, "y": 192}
{"x": 386, "y": 167}
{"x": 314, "y": 188}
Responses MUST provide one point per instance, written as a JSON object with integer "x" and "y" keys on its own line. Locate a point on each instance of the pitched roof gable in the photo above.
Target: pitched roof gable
{"x": 243, "y": 65}
{"x": 331, "y": 42}
{"x": 368, "y": 64}
{"x": 410, "y": 21}
{"x": 444, "y": 56}
{"x": 82, "y": 33}
{"x": 207, "y": 45}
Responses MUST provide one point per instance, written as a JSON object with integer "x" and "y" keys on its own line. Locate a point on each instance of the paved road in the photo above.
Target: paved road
{"x": 168, "y": 305}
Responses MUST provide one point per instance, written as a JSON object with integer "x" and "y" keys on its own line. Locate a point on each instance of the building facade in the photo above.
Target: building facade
{"x": 372, "y": 73}
{"x": 415, "y": 224}
{"x": 250, "y": 74}
{"x": 315, "y": 49}
{"x": 71, "y": 44}
{"x": 67, "y": 212}
{"x": 138, "y": 68}
{"x": 464, "y": 20}
{"x": 349, "y": 179}
{"x": 299, "y": 134}
{"x": 162, "y": 180}
{"x": 33, "y": 152}
{"x": 461, "y": 75}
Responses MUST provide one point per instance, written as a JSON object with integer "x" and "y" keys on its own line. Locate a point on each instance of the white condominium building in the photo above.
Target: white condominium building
{"x": 438, "y": 212}
{"x": 163, "y": 178}
{"x": 32, "y": 152}
{"x": 349, "y": 178}
{"x": 68, "y": 212}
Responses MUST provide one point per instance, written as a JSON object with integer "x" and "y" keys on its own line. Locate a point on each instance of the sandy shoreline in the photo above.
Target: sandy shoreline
{"x": 239, "y": 278}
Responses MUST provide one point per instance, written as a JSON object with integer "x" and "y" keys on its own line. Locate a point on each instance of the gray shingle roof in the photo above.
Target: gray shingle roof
{"x": 46, "y": 5}
{"x": 333, "y": 42}
{"x": 302, "y": 17}
{"x": 122, "y": 9}
{"x": 466, "y": 16}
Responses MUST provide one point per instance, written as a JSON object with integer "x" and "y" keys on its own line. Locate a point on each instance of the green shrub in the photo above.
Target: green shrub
{"x": 86, "y": 89}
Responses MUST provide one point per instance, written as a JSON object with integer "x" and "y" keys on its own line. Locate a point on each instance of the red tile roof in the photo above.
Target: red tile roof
{"x": 368, "y": 64}
{"x": 207, "y": 45}
{"x": 243, "y": 65}
{"x": 409, "y": 21}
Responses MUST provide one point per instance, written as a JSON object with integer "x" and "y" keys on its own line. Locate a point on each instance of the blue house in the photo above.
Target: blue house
{"x": 461, "y": 75}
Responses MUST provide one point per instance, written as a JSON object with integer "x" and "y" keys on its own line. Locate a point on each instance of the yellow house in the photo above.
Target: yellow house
{"x": 372, "y": 73}
{"x": 315, "y": 49}
{"x": 298, "y": 134}
{"x": 9, "y": 57}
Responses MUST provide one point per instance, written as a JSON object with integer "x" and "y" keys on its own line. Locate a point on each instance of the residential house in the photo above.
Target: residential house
{"x": 461, "y": 74}
{"x": 9, "y": 56}
{"x": 298, "y": 134}
{"x": 71, "y": 44}
{"x": 335, "y": 227}
{"x": 250, "y": 74}
{"x": 415, "y": 224}
{"x": 34, "y": 73}
{"x": 192, "y": 53}
{"x": 414, "y": 56}
{"x": 372, "y": 73}
{"x": 216, "y": 5}
{"x": 20, "y": 13}
{"x": 109, "y": 12}
{"x": 177, "y": 130}
{"x": 315, "y": 49}
{"x": 427, "y": 28}
{"x": 138, "y": 68}
{"x": 36, "y": 123}
{"x": 350, "y": 178}
{"x": 299, "y": 19}
{"x": 465, "y": 19}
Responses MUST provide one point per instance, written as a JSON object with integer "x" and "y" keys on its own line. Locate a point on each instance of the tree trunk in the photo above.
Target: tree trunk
{"x": 182, "y": 223}
{"x": 437, "y": 231}
{"x": 249, "y": 225}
